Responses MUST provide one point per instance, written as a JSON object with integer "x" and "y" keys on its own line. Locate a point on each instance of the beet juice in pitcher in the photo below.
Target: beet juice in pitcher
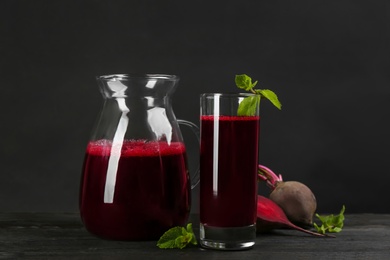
{"x": 135, "y": 183}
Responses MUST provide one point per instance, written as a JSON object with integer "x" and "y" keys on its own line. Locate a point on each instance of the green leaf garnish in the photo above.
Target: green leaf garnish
{"x": 271, "y": 96}
{"x": 248, "y": 105}
{"x": 330, "y": 223}
{"x": 243, "y": 81}
{"x": 177, "y": 237}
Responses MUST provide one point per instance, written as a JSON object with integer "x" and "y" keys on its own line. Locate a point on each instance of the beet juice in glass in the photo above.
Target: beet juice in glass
{"x": 228, "y": 173}
{"x": 135, "y": 182}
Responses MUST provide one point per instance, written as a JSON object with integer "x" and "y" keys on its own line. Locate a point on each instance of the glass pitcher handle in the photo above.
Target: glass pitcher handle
{"x": 195, "y": 130}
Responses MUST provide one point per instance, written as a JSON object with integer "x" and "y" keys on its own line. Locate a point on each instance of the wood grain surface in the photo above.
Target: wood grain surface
{"x": 62, "y": 236}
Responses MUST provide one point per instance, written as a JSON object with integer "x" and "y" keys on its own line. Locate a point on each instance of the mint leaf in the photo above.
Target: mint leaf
{"x": 177, "y": 237}
{"x": 243, "y": 81}
{"x": 191, "y": 232}
{"x": 168, "y": 239}
{"x": 271, "y": 96}
{"x": 248, "y": 106}
{"x": 331, "y": 223}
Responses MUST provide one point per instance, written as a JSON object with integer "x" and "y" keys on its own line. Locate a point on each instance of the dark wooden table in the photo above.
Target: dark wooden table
{"x": 62, "y": 236}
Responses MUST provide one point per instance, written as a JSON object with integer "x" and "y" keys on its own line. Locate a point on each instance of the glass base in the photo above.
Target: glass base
{"x": 234, "y": 238}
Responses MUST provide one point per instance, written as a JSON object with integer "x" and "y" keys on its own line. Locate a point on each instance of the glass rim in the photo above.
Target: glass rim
{"x": 127, "y": 76}
{"x": 227, "y": 95}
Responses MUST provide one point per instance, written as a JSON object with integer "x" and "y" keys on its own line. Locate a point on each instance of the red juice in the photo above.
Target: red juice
{"x": 151, "y": 193}
{"x": 228, "y": 197}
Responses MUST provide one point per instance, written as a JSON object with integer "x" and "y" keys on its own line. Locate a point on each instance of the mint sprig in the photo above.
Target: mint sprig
{"x": 177, "y": 237}
{"x": 243, "y": 81}
{"x": 330, "y": 223}
{"x": 249, "y": 105}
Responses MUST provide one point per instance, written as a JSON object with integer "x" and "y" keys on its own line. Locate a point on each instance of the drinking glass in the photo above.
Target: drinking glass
{"x": 228, "y": 173}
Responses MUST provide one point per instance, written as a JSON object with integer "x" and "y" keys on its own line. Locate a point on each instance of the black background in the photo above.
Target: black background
{"x": 328, "y": 61}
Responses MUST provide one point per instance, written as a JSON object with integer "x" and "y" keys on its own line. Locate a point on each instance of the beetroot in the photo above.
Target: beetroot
{"x": 296, "y": 199}
{"x": 270, "y": 216}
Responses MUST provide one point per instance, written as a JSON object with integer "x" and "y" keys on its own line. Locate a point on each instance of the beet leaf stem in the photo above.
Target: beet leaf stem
{"x": 267, "y": 175}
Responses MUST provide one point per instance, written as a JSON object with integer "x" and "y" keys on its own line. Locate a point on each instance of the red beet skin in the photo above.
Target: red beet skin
{"x": 270, "y": 216}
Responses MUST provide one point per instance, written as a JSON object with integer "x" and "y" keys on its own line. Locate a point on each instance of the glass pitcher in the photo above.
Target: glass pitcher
{"x": 135, "y": 182}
